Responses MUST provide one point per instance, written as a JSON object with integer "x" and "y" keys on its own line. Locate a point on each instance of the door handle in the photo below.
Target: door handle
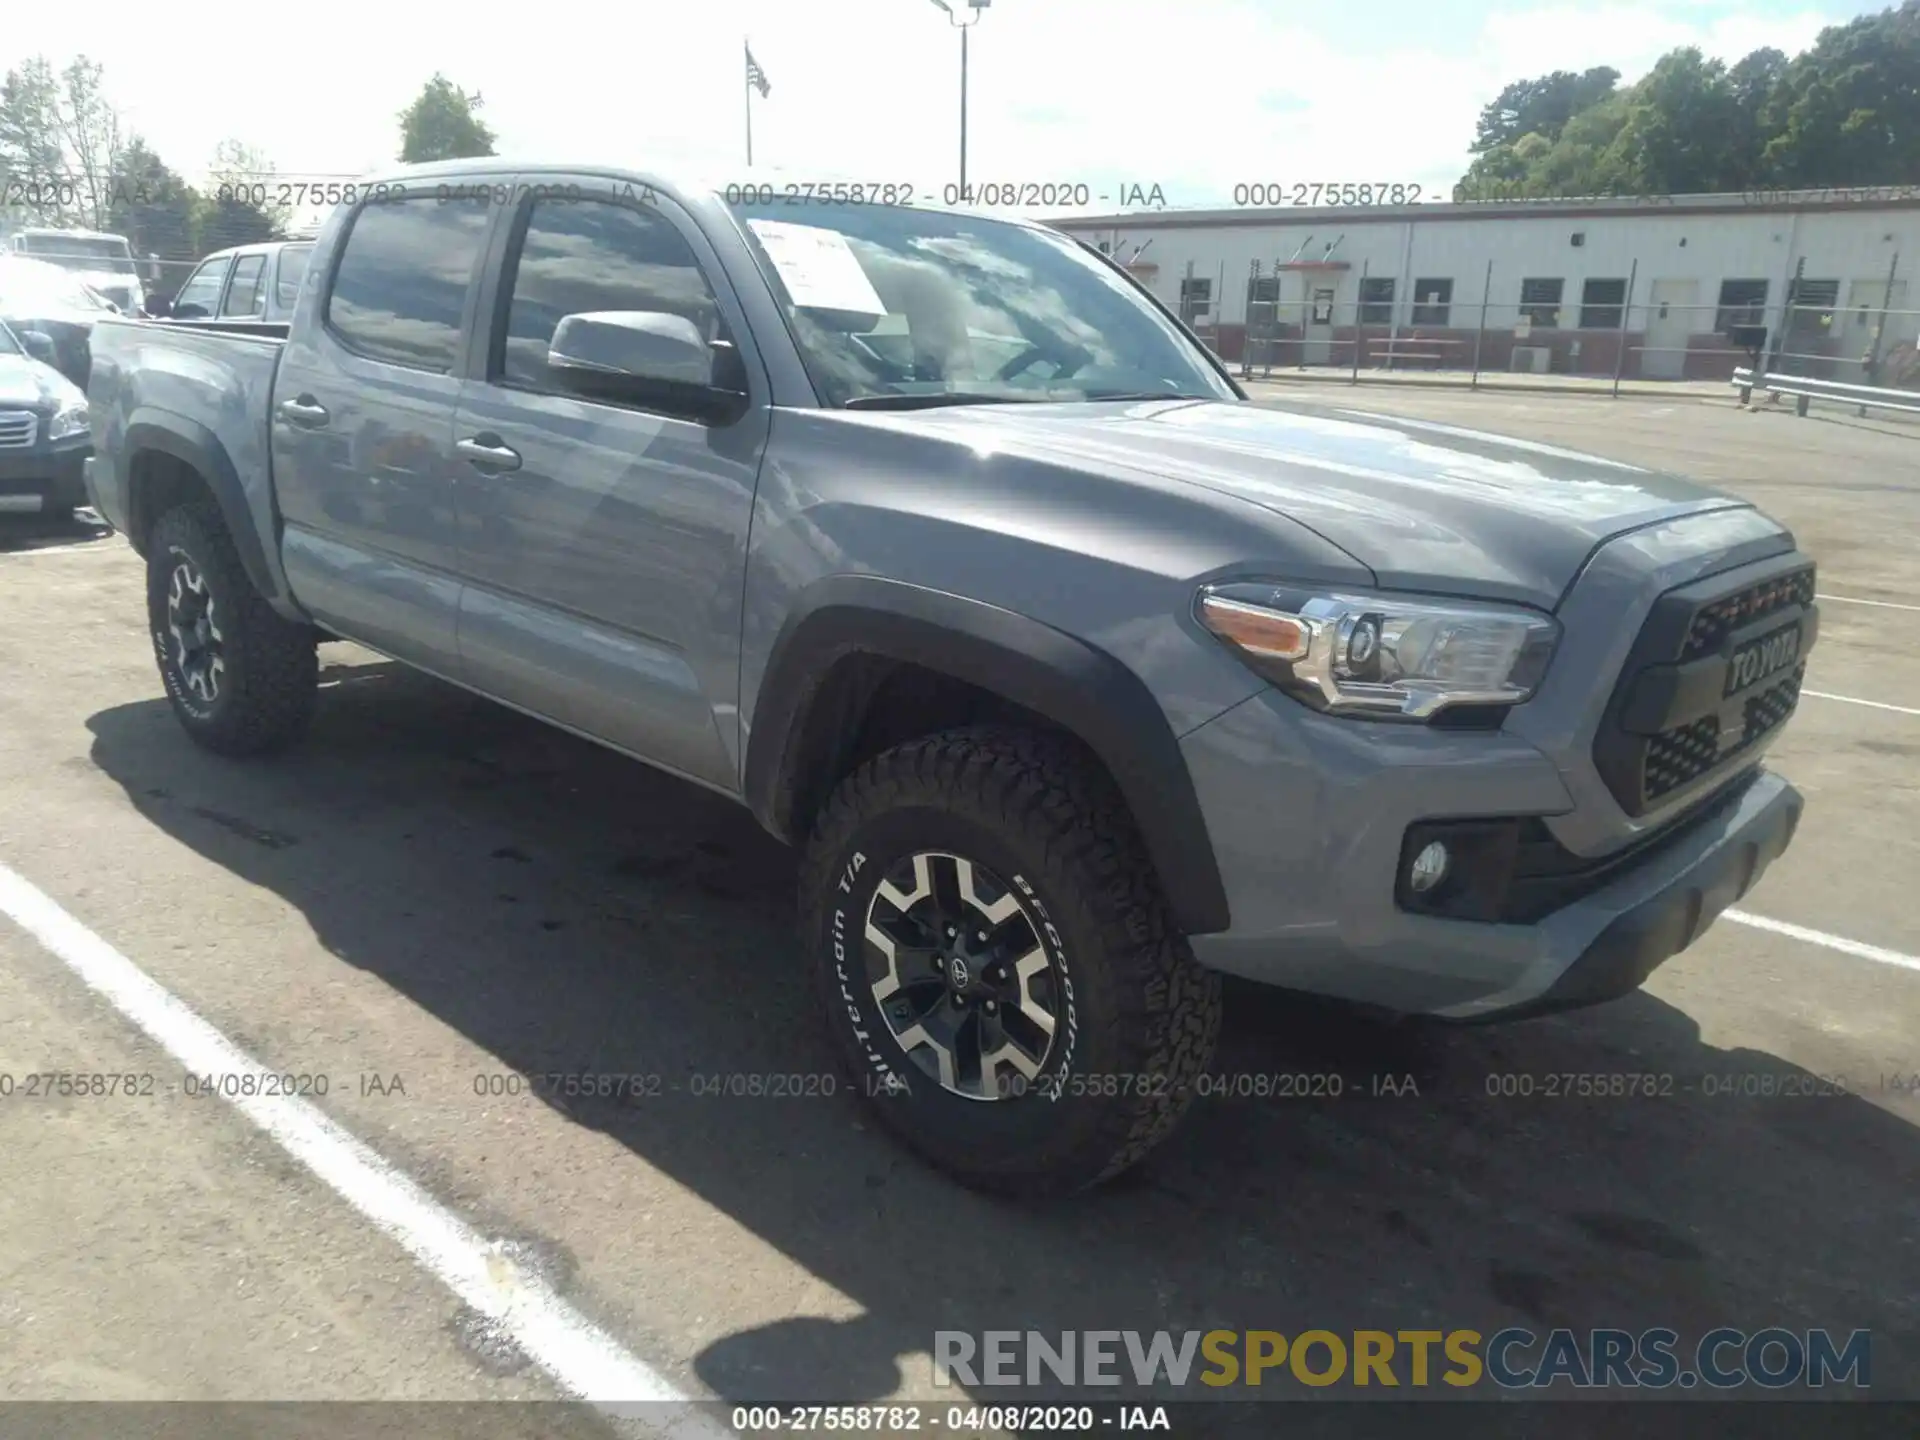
{"x": 303, "y": 411}
{"x": 485, "y": 452}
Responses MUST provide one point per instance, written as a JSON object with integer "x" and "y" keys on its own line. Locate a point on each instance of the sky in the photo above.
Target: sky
{"x": 1193, "y": 96}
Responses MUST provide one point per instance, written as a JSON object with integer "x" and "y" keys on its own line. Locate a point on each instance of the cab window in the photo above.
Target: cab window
{"x": 201, "y": 294}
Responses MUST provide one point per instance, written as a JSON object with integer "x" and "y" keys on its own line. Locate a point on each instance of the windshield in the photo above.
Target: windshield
{"x": 9, "y": 345}
{"x": 81, "y": 252}
{"x": 29, "y": 288}
{"x": 896, "y": 306}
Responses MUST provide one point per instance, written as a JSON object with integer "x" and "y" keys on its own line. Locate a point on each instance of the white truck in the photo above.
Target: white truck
{"x": 103, "y": 262}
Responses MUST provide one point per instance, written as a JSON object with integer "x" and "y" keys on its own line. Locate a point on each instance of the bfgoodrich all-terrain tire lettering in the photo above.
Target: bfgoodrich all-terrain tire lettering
{"x": 241, "y": 679}
{"x": 997, "y": 964}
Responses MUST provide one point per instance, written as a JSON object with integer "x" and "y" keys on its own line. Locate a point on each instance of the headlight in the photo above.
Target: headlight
{"x": 1384, "y": 656}
{"x": 68, "y": 420}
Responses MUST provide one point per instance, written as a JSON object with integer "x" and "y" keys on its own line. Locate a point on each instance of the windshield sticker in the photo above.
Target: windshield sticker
{"x": 818, "y": 267}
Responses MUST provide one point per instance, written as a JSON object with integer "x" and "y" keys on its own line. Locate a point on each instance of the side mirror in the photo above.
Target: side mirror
{"x": 40, "y": 346}
{"x": 158, "y": 307}
{"x": 646, "y": 357}
{"x": 188, "y": 311}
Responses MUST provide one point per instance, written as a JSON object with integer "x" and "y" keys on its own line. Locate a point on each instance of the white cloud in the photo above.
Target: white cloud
{"x": 1195, "y": 97}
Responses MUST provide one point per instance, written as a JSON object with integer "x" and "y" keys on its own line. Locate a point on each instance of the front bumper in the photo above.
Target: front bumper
{"x": 1307, "y": 814}
{"x": 44, "y": 477}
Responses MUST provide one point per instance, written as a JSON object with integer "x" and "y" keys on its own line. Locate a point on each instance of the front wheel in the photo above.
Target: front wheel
{"x": 999, "y": 971}
{"x": 241, "y": 679}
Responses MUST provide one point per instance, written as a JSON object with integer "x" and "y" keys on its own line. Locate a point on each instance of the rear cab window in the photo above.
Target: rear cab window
{"x": 246, "y": 295}
{"x": 293, "y": 268}
{"x": 400, "y": 288}
{"x": 200, "y": 295}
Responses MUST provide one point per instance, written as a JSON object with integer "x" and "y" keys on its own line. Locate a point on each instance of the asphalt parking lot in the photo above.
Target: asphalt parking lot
{"x": 434, "y": 893}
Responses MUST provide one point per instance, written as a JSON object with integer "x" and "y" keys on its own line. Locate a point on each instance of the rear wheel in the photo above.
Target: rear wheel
{"x": 999, "y": 971}
{"x": 240, "y": 678}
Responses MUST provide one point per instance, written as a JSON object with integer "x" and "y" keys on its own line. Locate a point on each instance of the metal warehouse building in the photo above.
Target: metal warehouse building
{"x": 1642, "y": 288}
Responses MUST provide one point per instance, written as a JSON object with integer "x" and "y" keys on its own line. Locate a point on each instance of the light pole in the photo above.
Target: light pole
{"x": 975, "y": 8}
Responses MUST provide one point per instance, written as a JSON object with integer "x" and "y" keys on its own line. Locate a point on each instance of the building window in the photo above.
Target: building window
{"x": 1540, "y": 302}
{"x": 1106, "y": 247}
{"x": 1430, "y": 301}
{"x": 1376, "y": 301}
{"x": 1602, "y": 304}
{"x": 1742, "y": 302}
{"x": 1196, "y": 299}
{"x": 1811, "y": 307}
{"x": 1264, "y": 290}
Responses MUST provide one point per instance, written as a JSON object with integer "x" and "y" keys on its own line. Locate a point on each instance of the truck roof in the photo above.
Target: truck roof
{"x": 71, "y": 234}
{"x": 685, "y": 177}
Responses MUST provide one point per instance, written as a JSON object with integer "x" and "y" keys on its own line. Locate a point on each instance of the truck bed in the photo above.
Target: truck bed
{"x": 210, "y": 378}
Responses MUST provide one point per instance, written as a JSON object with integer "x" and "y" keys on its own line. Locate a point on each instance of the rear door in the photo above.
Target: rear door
{"x": 603, "y": 549}
{"x": 362, "y": 425}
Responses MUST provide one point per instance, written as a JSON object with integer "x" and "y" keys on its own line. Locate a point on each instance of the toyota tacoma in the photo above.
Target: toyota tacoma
{"x": 932, "y": 538}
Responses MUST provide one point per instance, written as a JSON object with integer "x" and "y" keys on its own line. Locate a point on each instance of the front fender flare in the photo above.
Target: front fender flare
{"x": 1084, "y": 690}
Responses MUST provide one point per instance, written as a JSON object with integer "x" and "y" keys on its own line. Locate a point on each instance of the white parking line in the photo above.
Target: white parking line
{"x": 581, "y": 1358}
{"x": 1870, "y": 704}
{"x": 1875, "y": 953}
{"x": 70, "y": 548}
{"x": 1855, "y": 600}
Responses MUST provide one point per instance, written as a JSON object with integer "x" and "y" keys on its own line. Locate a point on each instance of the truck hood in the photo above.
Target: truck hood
{"x": 1425, "y": 506}
{"x": 26, "y": 384}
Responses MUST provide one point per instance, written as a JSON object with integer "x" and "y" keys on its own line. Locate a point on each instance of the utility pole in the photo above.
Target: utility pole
{"x": 975, "y": 8}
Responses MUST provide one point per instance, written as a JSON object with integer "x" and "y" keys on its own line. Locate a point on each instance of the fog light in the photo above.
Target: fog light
{"x": 1429, "y": 868}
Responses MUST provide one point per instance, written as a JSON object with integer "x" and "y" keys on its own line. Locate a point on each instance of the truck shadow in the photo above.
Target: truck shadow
{"x": 21, "y": 534}
{"x": 569, "y": 910}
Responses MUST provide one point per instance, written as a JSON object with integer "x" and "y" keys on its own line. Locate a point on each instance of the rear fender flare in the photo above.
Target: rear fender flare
{"x": 198, "y": 447}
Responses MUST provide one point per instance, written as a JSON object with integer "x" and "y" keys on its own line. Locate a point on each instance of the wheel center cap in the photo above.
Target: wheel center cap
{"x": 960, "y": 974}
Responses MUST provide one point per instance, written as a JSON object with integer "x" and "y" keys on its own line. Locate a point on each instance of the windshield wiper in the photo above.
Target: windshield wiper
{"x": 938, "y": 399}
{"x": 1101, "y": 396}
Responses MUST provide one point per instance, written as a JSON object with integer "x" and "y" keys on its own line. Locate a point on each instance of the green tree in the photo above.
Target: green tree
{"x": 1682, "y": 129}
{"x": 60, "y": 142}
{"x": 158, "y": 212}
{"x": 238, "y": 206}
{"x": 1847, "y": 111}
{"x": 442, "y": 124}
{"x": 1542, "y": 106}
{"x": 1844, "y": 112}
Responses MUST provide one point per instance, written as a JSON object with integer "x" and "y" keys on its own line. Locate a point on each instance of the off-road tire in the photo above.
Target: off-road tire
{"x": 1140, "y": 1016}
{"x": 271, "y": 671}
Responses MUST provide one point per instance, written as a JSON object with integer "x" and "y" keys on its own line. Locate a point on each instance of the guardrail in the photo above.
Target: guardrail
{"x": 1804, "y": 389}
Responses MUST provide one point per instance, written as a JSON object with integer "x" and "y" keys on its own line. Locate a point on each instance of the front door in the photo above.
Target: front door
{"x": 602, "y": 544}
{"x": 1317, "y": 347}
{"x": 1671, "y": 320}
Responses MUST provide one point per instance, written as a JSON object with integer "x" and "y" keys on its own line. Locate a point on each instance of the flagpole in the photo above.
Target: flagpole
{"x": 748, "y": 79}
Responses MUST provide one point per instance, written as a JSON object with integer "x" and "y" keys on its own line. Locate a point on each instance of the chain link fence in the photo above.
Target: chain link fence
{"x": 1300, "y": 320}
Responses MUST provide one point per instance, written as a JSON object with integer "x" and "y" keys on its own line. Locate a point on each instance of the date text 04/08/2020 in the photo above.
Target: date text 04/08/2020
{"x": 993, "y": 194}
{"x": 961, "y": 1419}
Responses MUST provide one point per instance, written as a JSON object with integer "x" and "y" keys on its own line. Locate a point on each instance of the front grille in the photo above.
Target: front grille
{"x": 1671, "y": 730}
{"x": 1715, "y": 622}
{"x": 18, "y": 429}
{"x": 1681, "y": 755}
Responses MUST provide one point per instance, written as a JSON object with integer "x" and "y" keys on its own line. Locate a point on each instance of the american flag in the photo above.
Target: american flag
{"x": 756, "y": 77}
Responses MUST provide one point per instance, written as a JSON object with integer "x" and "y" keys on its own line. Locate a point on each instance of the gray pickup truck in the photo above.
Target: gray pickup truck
{"x": 938, "y": 543}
